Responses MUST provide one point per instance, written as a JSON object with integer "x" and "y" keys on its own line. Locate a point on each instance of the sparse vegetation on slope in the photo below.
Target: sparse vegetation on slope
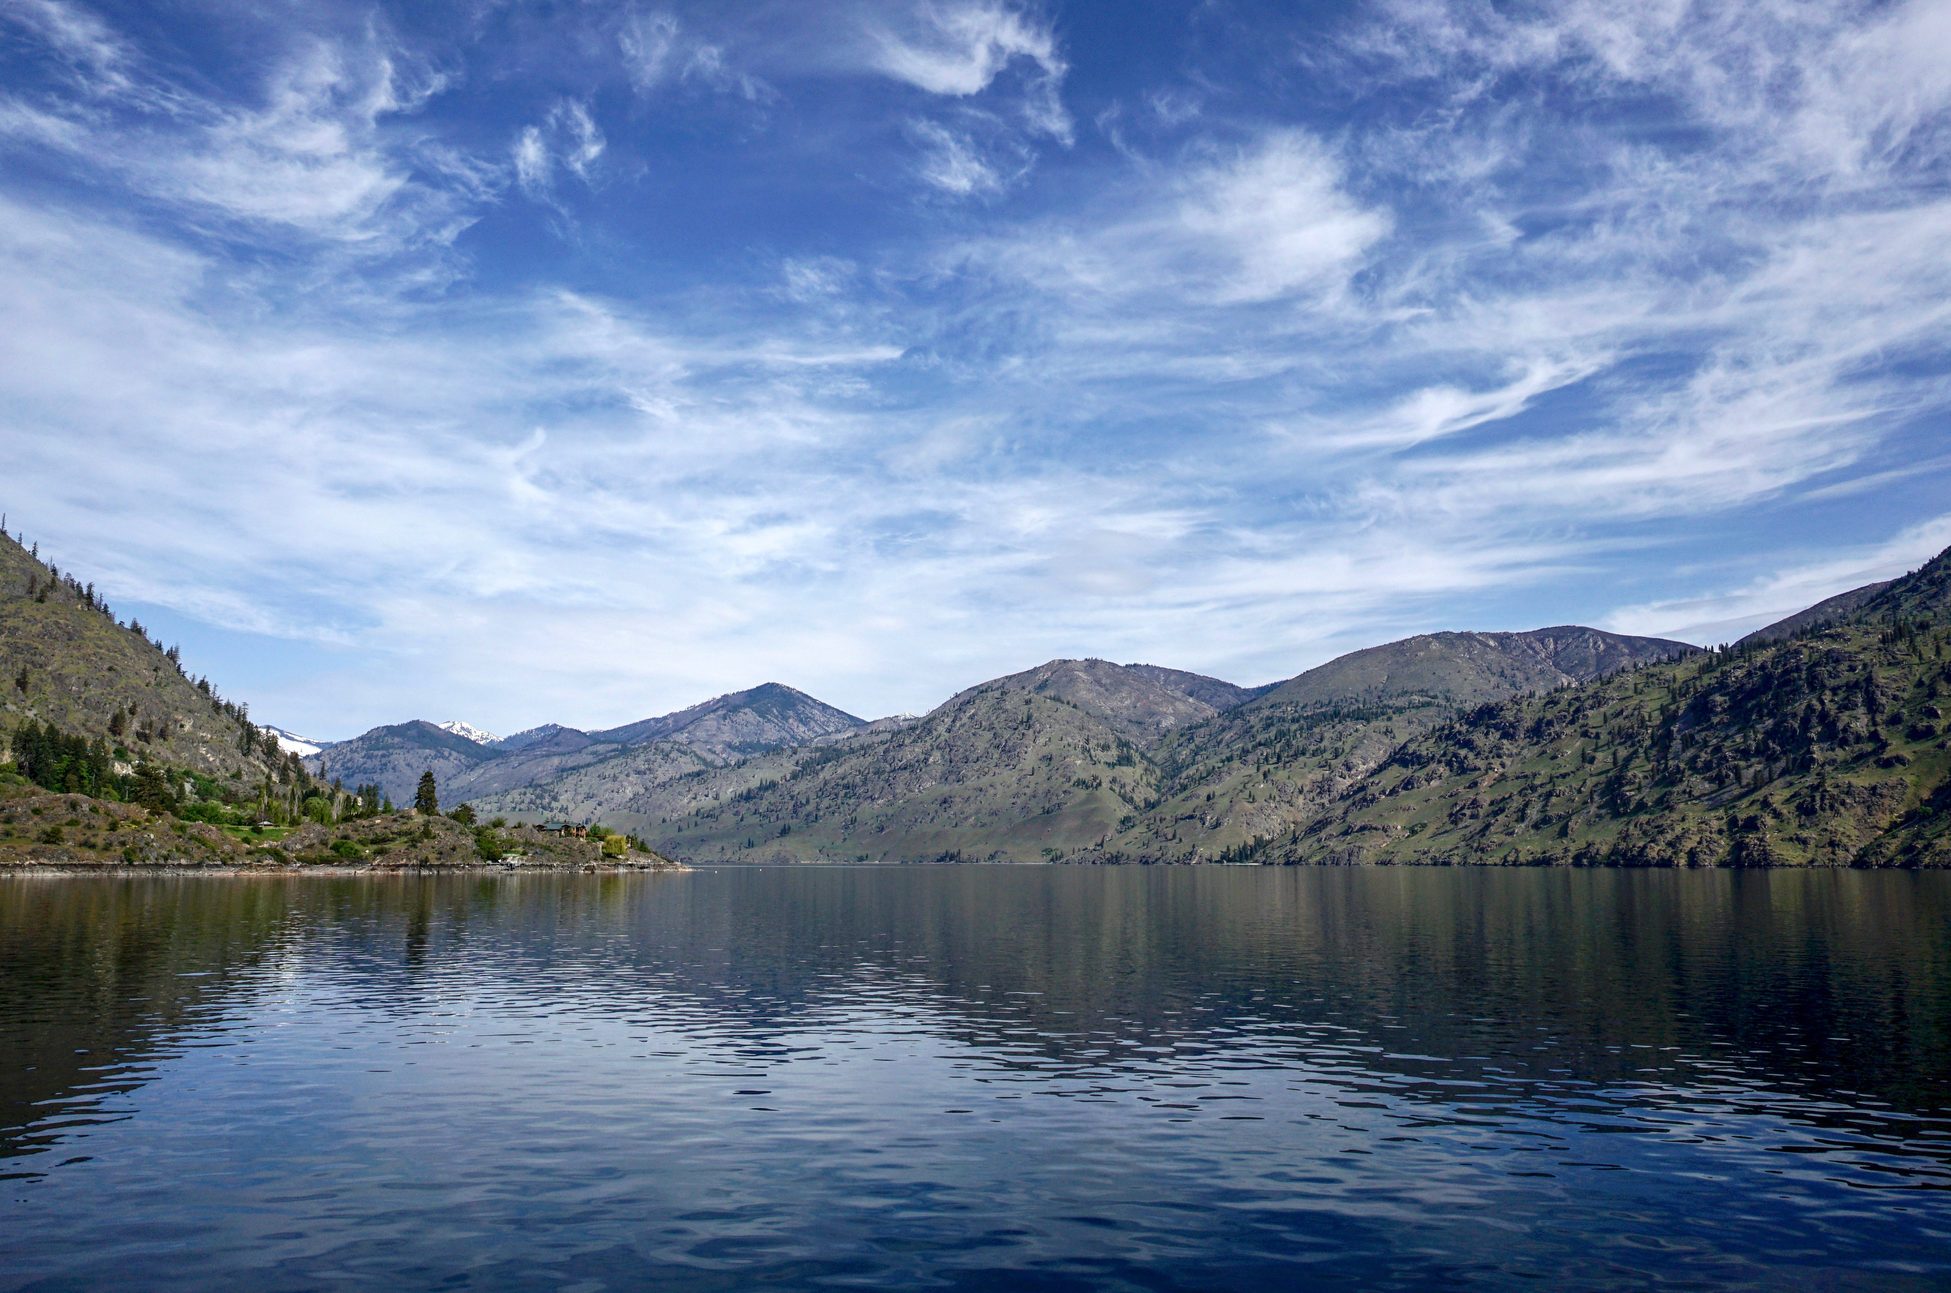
{"x": 1827, "y": 747}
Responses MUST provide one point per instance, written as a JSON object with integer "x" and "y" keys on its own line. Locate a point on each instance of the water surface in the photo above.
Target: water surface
{"x": 978, "y": 1077}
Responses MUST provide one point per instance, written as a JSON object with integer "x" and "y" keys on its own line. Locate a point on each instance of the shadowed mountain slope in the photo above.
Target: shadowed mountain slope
{"x": 1261, "y": 770}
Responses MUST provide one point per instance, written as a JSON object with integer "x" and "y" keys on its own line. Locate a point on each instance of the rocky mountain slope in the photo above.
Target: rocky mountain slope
{"x": 1827, "y": 611}
{"x": 66, "y": 660}
{"x": 1087, "y": 760}
{"x": 1000, "y": 772}
{"x": 1263, "y": 768}
{"x": 1094, "y": 706}
{"x": 1827, "y": 746}
{"x": 719, "y": 731}
{"x": 1140, "y": 702}
{"x": 770, "y": 716}
{"x": 393, "y": 757}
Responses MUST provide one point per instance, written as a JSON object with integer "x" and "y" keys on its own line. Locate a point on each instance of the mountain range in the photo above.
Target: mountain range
{"x": 1820, "y": 739}
{"x": 712, "y": 734}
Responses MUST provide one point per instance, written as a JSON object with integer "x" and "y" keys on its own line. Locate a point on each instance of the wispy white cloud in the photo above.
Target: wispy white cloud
{"x": 962, "y": 50}
{"x": 567, "y": 138}
{"x": 307, "y": 157}
{"x": 659, "y": 50}
{"x": 98, "y": 57}
{"x": 1279, "y": 211}
{"x": 1248, "y": 389}
{"x": 953, "y": 162}
{"x": 1723, "y": 616}
{"x": 1237, "y": 227}
{"x": 959, "y": 48}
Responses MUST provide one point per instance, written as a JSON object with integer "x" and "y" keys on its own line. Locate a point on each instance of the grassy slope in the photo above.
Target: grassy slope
{"x": 1083, "y": 785}
{"x": 615, "y": 785}
{"x": 1827, "y": 748}
{"x": 43, "y": 830}
{"x": 82, "y": 667}
{"x": 995, "y": 773}
{"x": 1245, "y": 784}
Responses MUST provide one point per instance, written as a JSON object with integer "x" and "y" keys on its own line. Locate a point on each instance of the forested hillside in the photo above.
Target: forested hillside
{"x": 67, "y": 662}
{"x": 1088, "y": 761}
{"x": 1826, "y": 746}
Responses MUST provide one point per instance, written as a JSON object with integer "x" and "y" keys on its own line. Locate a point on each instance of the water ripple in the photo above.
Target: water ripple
{"x": 968, "y": 1078}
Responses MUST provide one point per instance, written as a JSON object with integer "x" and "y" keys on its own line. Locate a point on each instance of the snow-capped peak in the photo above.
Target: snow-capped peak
{"x": 468, "y": 731}
{"x": 291, "y": 743}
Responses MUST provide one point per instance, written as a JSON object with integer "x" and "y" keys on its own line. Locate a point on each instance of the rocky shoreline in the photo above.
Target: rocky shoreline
{"x": 60, "y": 869}
{"x": 50, "y": 833}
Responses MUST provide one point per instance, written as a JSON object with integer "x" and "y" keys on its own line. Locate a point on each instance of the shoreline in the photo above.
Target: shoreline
{"x": 68, "y": 869}
{"x": 119, "y": 868}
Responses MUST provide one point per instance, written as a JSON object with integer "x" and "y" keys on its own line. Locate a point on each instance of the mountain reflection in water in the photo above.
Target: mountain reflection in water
{"x": 977, "y": 1077}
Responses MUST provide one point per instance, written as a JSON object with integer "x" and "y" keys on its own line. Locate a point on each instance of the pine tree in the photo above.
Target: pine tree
{"x": 426, "y": 800}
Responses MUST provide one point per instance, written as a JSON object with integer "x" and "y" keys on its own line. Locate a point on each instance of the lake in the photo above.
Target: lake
{"x": 977, "y": 1078}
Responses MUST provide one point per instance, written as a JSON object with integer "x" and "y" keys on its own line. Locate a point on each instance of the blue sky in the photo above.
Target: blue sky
{"x": 578, "y": 361}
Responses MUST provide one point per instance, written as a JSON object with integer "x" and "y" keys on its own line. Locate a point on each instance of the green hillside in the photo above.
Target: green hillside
{"x": 65, "y": 660}
{"x": 1823, "y": 748}
{"x": 997, "y": 774}
{"x": 1083, "y": 760}
{"x": 1256, "y": 774}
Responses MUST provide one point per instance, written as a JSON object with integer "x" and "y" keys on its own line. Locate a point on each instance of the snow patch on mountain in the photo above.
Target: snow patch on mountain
{"x": 292, "y": 743}
{"x": 468, "y": 731}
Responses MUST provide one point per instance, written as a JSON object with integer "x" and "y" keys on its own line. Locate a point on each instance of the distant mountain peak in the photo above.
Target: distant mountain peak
{"x": 737, "y": 724}
{"x": 530, "y": 736}
{"x": 1140, "y": 701}
{"x": 469, "y": 731}
{"x": 292, "y": 743}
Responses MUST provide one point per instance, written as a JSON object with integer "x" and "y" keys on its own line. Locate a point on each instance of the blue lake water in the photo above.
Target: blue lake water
{"x": 977, "y": 1078}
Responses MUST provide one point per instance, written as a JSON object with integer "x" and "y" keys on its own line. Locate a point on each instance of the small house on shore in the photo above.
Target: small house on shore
{"x": 573, "y": 830}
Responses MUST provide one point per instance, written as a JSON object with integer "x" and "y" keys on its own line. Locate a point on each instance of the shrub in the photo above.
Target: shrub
{"x": 348, "y": 850}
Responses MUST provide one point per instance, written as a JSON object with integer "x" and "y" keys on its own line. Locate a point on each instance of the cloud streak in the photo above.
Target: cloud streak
{"x": 865, "y": 370}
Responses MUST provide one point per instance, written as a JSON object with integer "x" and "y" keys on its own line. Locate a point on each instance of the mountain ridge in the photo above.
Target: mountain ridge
{"x": 1097, "y": 751}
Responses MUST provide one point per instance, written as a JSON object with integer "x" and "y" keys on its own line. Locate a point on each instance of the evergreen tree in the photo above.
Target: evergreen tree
{"x": 426, "y": 800}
